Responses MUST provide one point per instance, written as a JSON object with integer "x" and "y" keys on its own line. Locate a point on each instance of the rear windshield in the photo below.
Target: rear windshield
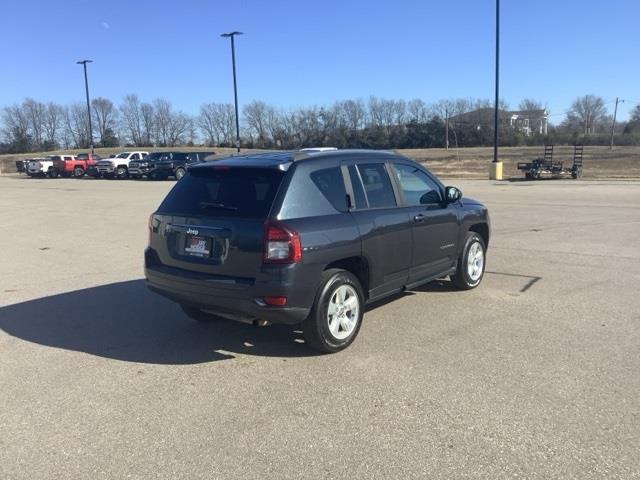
{"x": 224, "y": 191}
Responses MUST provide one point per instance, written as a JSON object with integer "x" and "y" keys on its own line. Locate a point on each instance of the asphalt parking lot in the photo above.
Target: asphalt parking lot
{"x": 535, "y": 374}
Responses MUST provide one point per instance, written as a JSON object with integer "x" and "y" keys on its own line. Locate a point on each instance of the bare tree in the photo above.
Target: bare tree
{"x": 131, "y": 116}
{"x": 104, "y": 116}
{"x": 77, "y": 125}
{"x": 255, "y": 116}
{"x": 34, "y": 111}
{"x": 530, "y": 104}
{"x": 208, "y": 123}
{"x": 53, "y": 120}
{"x": 162, "y": 108}
{"x": 16, "y": 128}
{"x": 587, "y": 113}
{"x": 417, "y": 111}
{"x": 147, "y": 114}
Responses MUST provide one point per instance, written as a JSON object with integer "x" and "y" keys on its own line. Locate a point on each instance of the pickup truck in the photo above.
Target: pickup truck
{"x": 46, "y": 167}
{"x": 118, "y": 166}
{"x": 75, "y": 166}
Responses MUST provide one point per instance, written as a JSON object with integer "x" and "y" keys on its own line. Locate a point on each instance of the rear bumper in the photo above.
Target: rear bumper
{"x": 241, "y": 299}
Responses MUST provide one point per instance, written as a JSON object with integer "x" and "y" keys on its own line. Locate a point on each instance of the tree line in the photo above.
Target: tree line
{"x": 372, "y": 123}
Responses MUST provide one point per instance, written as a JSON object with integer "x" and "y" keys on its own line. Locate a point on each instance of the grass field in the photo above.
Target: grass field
{"x": 599, "y": 162}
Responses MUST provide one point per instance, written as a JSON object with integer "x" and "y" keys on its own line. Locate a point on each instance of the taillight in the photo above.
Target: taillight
{"x": 150, "y": 225}
{"x": 281, "y": 244}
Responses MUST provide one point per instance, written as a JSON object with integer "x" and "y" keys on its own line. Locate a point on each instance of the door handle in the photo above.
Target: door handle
{"x": 419, "y": 217}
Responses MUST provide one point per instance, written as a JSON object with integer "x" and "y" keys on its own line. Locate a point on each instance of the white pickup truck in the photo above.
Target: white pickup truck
{"x": 45, "y": 167}
{"x": 118, "y": 166}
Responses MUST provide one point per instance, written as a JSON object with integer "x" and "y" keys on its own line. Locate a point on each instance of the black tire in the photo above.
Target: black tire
{"x": 51, "y": 173}
{"x": 121, "y": 173}
{"x": 316, "y": 330}
{"x": 198, "y": 315}
{"x": 78, "y": 172}
{"x": 462, "y": 279}
{"x": 180, "y": 173}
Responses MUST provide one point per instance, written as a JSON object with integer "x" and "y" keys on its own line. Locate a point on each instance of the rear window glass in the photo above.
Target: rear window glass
{"x": 235, "y": 192}
{"x": 329, "y": 181}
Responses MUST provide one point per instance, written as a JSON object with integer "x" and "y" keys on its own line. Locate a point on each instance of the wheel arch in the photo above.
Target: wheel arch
{"x": 358, "y": 266}
{"x": 481, "y": 229}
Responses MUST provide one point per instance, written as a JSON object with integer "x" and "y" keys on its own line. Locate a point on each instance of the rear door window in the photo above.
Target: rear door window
{"x": 224, "y": 191}
{"x": 358, "y": 191}
{"x": 377, "y": 185}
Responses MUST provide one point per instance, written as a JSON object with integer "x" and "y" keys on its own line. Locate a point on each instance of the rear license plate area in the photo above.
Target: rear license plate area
{"x": 197, "y": 246}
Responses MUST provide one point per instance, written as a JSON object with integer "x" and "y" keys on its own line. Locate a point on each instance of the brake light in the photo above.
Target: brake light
{"x": 281, "y": 244}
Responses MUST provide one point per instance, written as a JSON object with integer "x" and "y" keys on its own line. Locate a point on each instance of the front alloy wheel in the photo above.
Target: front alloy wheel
{"x": 180, "y": 173}
{"x": 471, "y": 263}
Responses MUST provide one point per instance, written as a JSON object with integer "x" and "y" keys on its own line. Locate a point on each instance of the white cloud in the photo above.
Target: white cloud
{"x": 105, "y": 25}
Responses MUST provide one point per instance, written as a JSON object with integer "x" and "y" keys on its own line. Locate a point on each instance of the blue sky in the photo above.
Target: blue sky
{"x": 298, "y": 53}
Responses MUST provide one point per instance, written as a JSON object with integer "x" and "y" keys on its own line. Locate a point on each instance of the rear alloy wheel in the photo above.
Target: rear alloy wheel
{"x": 180, "y": 173}
{"x": 78, "y": 172}
{"x": 198, "y": 315}
{"x": 336, "y": 316}
{"x": 121, "y": 173}
{"x": 471, "y": 263}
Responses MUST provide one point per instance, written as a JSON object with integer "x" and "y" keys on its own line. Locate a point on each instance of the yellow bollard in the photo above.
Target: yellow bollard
{"x": 495, "y": 171}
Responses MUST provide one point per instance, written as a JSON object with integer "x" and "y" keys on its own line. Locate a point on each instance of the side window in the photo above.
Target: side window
{"x": 358, "y": 190}
{"x": 135, "y": 156}
{"x": 377, "y": 185}
{"x": 330, "y": 182}
{"x": 416, "y": 185}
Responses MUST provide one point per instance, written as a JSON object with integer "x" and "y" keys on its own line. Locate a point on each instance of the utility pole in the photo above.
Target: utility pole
{"x": 231, "y": 35}
{"x": 86, "y": 87}
{"x": 446, "y": 127}
{"x": 613, "y": 124}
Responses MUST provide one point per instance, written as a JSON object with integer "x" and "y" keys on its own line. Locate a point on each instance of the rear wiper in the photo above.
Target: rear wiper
{"x": 217, "y": 205}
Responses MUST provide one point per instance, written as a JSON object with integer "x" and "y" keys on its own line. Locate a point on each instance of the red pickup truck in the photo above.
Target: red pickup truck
{"x": 75, "y": 166}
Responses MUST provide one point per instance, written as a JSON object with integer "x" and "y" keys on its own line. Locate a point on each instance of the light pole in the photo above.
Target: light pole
{"x": 495, "y": 172}
{"x": 231, "y": 35}
{"x": 86, "y": 87}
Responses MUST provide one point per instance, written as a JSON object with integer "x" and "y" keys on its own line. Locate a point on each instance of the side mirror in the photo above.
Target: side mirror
{"x": 452, "y": 194}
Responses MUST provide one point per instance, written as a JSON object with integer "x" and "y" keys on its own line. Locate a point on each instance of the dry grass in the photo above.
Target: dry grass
{"x": 599, "y": 162}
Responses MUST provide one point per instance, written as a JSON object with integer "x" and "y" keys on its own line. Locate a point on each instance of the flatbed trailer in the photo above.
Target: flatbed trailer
{"x": 547, "y": 167}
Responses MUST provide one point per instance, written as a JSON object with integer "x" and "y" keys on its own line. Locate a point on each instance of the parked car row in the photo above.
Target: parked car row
{"x": 135, "y": 165}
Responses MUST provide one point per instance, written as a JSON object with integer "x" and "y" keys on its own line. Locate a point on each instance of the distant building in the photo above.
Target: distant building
{"x": 524, "y": 121}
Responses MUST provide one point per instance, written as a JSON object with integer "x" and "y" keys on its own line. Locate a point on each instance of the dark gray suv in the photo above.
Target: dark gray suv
{"x": 310, "y": 238}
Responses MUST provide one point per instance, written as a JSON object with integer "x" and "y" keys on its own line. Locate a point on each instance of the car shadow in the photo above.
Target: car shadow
{"x": 125, "y": 321}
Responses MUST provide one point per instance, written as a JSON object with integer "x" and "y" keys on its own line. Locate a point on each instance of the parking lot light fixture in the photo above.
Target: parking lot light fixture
{"x": 231, "y": 35}
{"x": 86, "y": 87}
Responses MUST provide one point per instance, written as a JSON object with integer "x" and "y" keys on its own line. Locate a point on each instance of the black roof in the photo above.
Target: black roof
{"x": 278, "y": 159}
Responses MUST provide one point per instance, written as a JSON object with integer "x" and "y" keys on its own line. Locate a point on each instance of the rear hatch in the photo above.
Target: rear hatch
{"x": 212, "y": 221}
